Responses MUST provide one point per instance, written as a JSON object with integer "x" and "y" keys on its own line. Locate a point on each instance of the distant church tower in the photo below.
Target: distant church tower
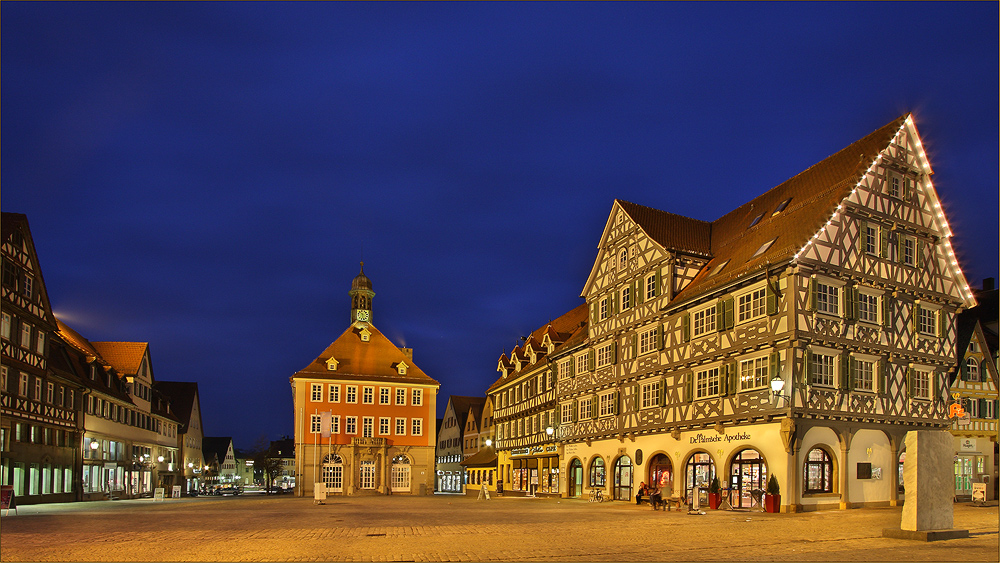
{"x": 361, "y": 298}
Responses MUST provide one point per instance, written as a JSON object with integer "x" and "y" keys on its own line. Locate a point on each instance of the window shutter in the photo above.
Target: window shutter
{"x": 686, "y": 327}
{"x": 660, "y": 337}
{"x": 915, "y": 321}
{"x": 851, "y": 302}
{"x": 661, "y": 397}
{"x": 883, "y": 234}
{"x": 617, "y": 402}
{"x": 806, "y": 371}
{"x": 732, "y": 377}
{"x": 729, "y": 313}
{"x": 593, "y": 406}
{"x": 576, "y": 411}
{"x": 572, "y": 366}
{"x": 883, "y": 376}
{"x": 965, "y": 371}
{"x": 720, "y": 315}
{"x": 920, "y": 253}
{"x": 981, "y": 407}
{"x": 638, "y": 290}
{"x": 772, "y": 299}
{"x": 614, "y": 352}
{"x": 845, "y": 371}
{"x": 724, "y": 380}
{"x": 656, "y": 284}
{"x": 907, "y": 187}
{"x": 886, "y": 310}
{"x": 634, "y": 345}
{"x": 689, "y": 387}
{"x": 594, "y": 306}
{"x": 909, "y": 383}
{"x": 942, "y": 323}
{"x": 774, "y": 364}
{"x": 635, "y": 397}
{"x": 862, "y": 236}
{"x": 811, "y": 297}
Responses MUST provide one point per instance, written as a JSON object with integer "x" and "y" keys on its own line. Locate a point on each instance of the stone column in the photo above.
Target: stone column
{"x": 845, "y": 447}
{"x": 894, "y": 469}
{"x": 929, "y": 482}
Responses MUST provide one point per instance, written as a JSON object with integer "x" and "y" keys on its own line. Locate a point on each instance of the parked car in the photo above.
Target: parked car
{"x": 228, "y": 490}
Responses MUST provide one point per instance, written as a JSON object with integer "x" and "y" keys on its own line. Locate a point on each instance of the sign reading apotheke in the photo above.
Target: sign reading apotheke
{"x": 700, "y": 438}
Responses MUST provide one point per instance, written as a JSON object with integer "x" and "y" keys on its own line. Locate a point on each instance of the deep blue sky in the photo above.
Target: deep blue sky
{"x": 206, "y": 177}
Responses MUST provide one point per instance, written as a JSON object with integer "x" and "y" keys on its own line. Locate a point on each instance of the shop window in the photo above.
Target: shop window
{"x": 700, "y": 473}
{"x": 748, "y": 474}
{"x": 661, "y": 474}
{"x": 597, "y": 474}
{"x": 623, "y": 478}
{"x": 818, "y": 471}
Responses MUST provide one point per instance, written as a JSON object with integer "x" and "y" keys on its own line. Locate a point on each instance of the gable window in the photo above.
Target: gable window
{"x": 651, "y": 286}
{"x": 753, "y": 373}
{"x": 707, "y": 383}
{"x": 650, "y": 394}
{"x": 604, "y": 308}
{"x": 50, "y": 393}
{"x": 895, "y": 184}
{"x": 334, "y": 393}
{"x": 401, "y": 396}
{"x": 622, "y": 259}
{"x": 909, "y": 251}
{"x": 418, "y": 399}
{"x": 383, "y": 395}
{"x": 316, "y": 391}
{"x": 368, "y": 396}
{"x": 352, "y": 393}
{"x": 751, "y": 305}
{"x": 351, "y": 425}
{"x": 704, "y": 321}
{"x": 821, "y": 369}
{"x": 647, "y": 341}
{"x": 25, "y": 334}
{"x": 971, "y": 369}
{"x": 870, "y": 239}
{"x": 626, "y": 297}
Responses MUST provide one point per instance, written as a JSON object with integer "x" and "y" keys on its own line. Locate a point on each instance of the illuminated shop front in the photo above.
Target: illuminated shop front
{"x": 534, "y": 470}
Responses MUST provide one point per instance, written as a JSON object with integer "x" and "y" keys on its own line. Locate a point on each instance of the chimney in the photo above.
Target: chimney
{"x": 408, "y": 352}
{"x": 989, "y": 284}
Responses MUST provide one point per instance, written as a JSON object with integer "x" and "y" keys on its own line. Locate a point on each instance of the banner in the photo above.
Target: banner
{"x": 325, "y": 421}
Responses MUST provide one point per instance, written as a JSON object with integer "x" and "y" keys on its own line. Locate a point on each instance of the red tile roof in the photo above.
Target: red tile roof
{"x": 125, "y": 357}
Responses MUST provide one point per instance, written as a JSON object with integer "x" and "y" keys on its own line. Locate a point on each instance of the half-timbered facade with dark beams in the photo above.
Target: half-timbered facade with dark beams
{"x": 40, "y": 421}
{"x": 839, "y": 287}
{"x": 525, "y": 410}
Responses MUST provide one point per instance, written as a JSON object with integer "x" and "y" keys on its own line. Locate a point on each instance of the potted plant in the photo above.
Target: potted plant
{"x": 714, "y": 496}
{"x": 772, "y": 500}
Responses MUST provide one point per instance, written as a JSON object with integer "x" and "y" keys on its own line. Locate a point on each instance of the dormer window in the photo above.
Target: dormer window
{"x": 781, "y": 206}
{"x": 756, "y": 220}
{"x": 331, "y": 364}
{"x": 365, "y": 334}
{"x": 763, "y": 248}
{"x": 401, "y": 368}
{"x": 718, "y": 268}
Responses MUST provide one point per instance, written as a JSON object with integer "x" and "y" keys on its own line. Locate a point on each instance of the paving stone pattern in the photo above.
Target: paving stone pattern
{"x": 458, "y": 528}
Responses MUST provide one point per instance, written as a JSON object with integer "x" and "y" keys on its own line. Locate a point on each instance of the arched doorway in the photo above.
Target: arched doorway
{"x": 598, "y": 474}
{"x": 367, "y": 480}
{"x": 700, "y": 472}
{"x": 333, "y": 473}
{"x": 661, "y": 474}
{"x": 623, "y": 479}
{"x": 400, "y": 474}
{"x": 748, "y": 473}
{"x": 576, "y": 478}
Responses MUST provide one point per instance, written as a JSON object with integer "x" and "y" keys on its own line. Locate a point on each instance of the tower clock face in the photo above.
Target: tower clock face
{"x": 362, "y": 315}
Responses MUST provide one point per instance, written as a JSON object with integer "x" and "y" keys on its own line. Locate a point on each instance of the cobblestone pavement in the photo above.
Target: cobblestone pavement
{"x": 458, "y": 528}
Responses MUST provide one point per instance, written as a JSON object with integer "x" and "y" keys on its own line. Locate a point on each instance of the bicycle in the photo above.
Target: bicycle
{"x": 596, "y": 495}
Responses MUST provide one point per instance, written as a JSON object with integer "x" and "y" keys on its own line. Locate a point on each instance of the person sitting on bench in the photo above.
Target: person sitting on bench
{"x": 642, "y": 492}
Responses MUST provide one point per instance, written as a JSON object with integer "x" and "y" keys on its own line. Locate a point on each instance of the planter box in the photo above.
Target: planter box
{"x": 714, "y": 500}
{"x": 772, "y": 503}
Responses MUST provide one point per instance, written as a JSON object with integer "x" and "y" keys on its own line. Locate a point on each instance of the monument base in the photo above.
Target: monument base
{"x": 924, "y": 535}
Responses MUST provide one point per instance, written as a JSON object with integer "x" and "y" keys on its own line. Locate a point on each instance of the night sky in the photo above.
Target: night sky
{"x": 206, "y": 177}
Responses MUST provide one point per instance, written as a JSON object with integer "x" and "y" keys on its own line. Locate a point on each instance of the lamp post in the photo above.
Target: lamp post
{"x": 777, "y": 384}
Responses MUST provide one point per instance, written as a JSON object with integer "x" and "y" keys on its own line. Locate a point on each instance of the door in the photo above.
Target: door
{"x": 400, "y": 477}
{"x": 576, "y": 478}
{"x": 333, "y": 474}
{"x": 367, "y": 475}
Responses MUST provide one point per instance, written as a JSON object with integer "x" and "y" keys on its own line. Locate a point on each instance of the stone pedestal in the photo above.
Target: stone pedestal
{"x": 928, "y": 511}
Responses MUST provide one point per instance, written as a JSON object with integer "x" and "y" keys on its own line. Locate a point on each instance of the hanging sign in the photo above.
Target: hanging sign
{"x": 6, "y": 497}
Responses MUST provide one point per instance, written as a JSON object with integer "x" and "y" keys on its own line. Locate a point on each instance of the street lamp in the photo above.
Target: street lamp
{"x": 159, "y": 459}
{"x": 777, "y": 384}
{"x": 489, "y": 442}
{"x": 549, "y": 430}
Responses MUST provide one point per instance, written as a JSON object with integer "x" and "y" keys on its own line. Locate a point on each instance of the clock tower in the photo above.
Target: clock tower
{"x": 361, "y": 298}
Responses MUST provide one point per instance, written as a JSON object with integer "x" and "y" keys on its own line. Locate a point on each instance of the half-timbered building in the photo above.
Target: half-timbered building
{"x": 973, "y": 408}
{"x": 800, "y": 335}
{"x": 525, "y": 410}
{"x": 452, "y": 443}
{"x": 364, "y": 412}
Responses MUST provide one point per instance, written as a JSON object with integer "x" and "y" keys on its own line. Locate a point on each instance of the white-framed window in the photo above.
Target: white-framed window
{"x": 38, "y": 391}
{"x": 50, "y": 393}
{"x": 647, "y": 341}
{"x": 401, "y": 396}
{"x": 754, "y": 373}
{"x": 895, "y": 184}
{"x": 607, "y": 404}
{"x": 751, "y": 305}
{"x": 566, "y": 412}
{"x": 921, "y": 384}
{"x": 626, "y": 297}
{"x": 581, "y": 363}
{"x": 316, "y": 392}
{"x": 869, "y": 239}
{"x": 909, "y": 251}
{"x": 603, "y": 308}
{"x": 586, "y": 409}
{"x": 315, "y": 424}
{"x": 990, "y": 410}
{"x": 651, "y": 286}
{"x": 417, "y": 399}
{"x": 384, "y": 425}
{"x": 704, "y": 321}
{"x": 864, "y": 374}
{"x": 400, "y": 426}
{"x": 417, "y": 427}
{"x": 650, "y": 394}
{"x": 351, "y": 425}
{"x": 927, "y": 321}
{"x": 5, "y": 326}
{"x": 604, "y": 355}
{"x": 25, "y": 335}
{"x": 383, "y": 395}
{"x": 368, "y": 396}
{"x": 822, "y": 369}
{"x": 622, "y": 259}
{"x": 827, "y": 298}
{"x": 706, "y": 383}
{"x": 335, "y": 424}
{"x": 367, "y": 426}
{"x": 334, "y": 393}
{"x": 564, "y": 369}
{"x": 352, "y": 393}
{"x": 40, "y": 343}
{"x": 868, "y": 306}
{"x": 971, "y": 369}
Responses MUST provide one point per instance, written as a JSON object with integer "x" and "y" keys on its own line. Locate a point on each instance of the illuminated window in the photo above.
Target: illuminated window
{"x": 383, "y": 396}
{"x": 818, "y": 471}
{"x": 753, "y": 373}
{"x": 5, "y": 326}
{"x": 751, "y": 305}
{"x": 334, "y": 393}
